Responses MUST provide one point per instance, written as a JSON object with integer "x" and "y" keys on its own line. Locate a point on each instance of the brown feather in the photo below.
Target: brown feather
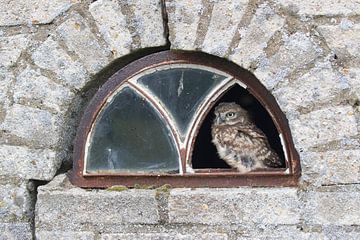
{"x": 239, "y": 142}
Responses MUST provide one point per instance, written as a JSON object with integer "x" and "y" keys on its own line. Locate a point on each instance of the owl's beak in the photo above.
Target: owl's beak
{"x": 219, "y": 120}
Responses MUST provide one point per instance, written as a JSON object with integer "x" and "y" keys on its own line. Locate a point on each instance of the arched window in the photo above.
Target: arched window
{"x": 150, "y": 123}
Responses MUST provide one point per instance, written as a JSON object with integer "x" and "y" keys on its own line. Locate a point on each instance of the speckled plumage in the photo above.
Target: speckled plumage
{"x": 239, "y": 142}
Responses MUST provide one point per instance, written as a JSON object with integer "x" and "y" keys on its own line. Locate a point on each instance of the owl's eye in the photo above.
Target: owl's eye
{"x": 230, "y": 114}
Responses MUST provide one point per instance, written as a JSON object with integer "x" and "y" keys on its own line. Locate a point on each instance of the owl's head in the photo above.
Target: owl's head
{"x": 230, "y": 113}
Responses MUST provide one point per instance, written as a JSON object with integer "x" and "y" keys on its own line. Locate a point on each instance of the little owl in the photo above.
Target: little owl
{"x": 239, "y": 142}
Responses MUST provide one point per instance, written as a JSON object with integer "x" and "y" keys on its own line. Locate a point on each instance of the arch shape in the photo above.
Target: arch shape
{"x": 216, "y": 76}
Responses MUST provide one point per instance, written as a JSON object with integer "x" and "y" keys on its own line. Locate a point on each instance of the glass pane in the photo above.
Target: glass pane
{"x": 181, "y": 90}
{"x": 130, "y": 136}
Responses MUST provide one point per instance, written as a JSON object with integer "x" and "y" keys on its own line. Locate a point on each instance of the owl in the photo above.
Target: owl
{"x": 239, "y": 142}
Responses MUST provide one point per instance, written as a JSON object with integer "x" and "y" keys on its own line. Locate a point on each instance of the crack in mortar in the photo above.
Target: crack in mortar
{"x": 33, "y": 192}
{"x": 340, "y": 184}
{"x": 162, "y": 198}
{"x": 244, "y": 22}
{"x": 128, "y": 11}
{"x": 165, "y": 23}
{"x": 204, "y": 23}
{"x": 351, "y": 143}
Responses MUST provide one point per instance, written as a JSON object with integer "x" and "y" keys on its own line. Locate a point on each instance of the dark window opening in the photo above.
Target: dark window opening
{"x": 204, "y": 153}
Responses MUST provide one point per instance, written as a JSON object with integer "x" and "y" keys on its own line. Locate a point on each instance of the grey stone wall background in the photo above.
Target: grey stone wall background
{"x": 307, "y": 53}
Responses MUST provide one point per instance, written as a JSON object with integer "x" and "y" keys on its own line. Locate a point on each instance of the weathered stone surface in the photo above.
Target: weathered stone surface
{"x": 32, "y": 88}
{"x": 262, "y": 27}
{"x": 15, "y": 202}
{"x": 322, "y": 126}
{"x": 59, "y": 182}
{"x": 225, "y": 206}
{"x": 225, "y": 18}
{"x": 278, "y": 232}
{"x": 343, "y": 39}
{"x": 129, "y": 25}
{"x": 78, "y": 206}
{"x": 303, "y": 91}
{"x": 183, "y": 23}
{"x": 28, "y": 163}
{"x": 340, "y": 232}
{"x": 158, "y": 236}
{"x": 353, "y": 75}
{"x": 332, "y": 167}
{"x": 322, "y": 7}
{"x": 112, "y": 25}
{"x": 32, "y": 12}
{"x": 6, "y": 79}
{"x": 333, "y": 208}
{"x": 38, "y": 127}
{"x": 79, "y": 38}
{"x": 15, "y": 231}
{"x": 11, "y": 48}
{"x": 147, "y": 21}
{"x": 52, "y": 57}
{"x": 55, "y": 235}
{"x": 297, "y": 51}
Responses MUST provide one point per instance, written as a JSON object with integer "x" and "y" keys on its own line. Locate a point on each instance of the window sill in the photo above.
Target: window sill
{"x": 272, "y": 178}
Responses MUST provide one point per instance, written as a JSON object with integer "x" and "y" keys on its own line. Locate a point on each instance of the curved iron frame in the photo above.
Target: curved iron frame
{"x": 203, "y": 178}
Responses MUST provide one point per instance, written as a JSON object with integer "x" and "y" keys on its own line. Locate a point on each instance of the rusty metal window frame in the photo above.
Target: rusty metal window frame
{"x": 200, "y": 177}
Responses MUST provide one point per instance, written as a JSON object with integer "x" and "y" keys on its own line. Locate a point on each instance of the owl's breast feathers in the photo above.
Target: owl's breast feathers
{"x": 246, "y": 140}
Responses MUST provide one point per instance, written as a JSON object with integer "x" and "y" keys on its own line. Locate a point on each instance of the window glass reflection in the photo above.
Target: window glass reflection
{"x": 181, "y": 91}
{"x": 130, "y": 136}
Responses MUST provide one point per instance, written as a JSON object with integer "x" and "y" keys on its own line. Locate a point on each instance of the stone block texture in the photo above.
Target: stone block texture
{"x": 322, "y": 7}
{"x": 112, "y": 25}
{"x": 343, "y": 38}
{"x": 15, "y": 204}
{"x": 184, "y": 19}
{"x": 221, "y": 30}
{"x": 54, "y": 235}
{"x": 79, "y": 207}
{"x": 333, "y": 83}
{"x": 14, "y": 13}
{"x": 333, "y": 208}
{"x": 16, "y": 231}
{"x": 262, "y": 27}
{"x": 235, "y": 206}
{"x": 70, "y": 72}
{"x": 325, "y": 125}
{"x": 297, "y": 51}
{"x": 151, "y": 236}
{"x": 353, "y": 75}
{"x": 55, "y": 54}
{"x": 6, "y": 81}
{"x": 32, "y": 88}
{"x": 78, "y": 37}
{"x": 19, "y": 161}
{"x": 32, "y": 126}
{"x": 208, "y": 26}
{"x": 145, "y": 19}
{"x": 11, "y": 48}
{"x": 331, "y": 167}
{"x": 129, "y": 25}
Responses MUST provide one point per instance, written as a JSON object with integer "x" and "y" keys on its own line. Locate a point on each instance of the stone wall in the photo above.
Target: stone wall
{"x": 53, "y": 54}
